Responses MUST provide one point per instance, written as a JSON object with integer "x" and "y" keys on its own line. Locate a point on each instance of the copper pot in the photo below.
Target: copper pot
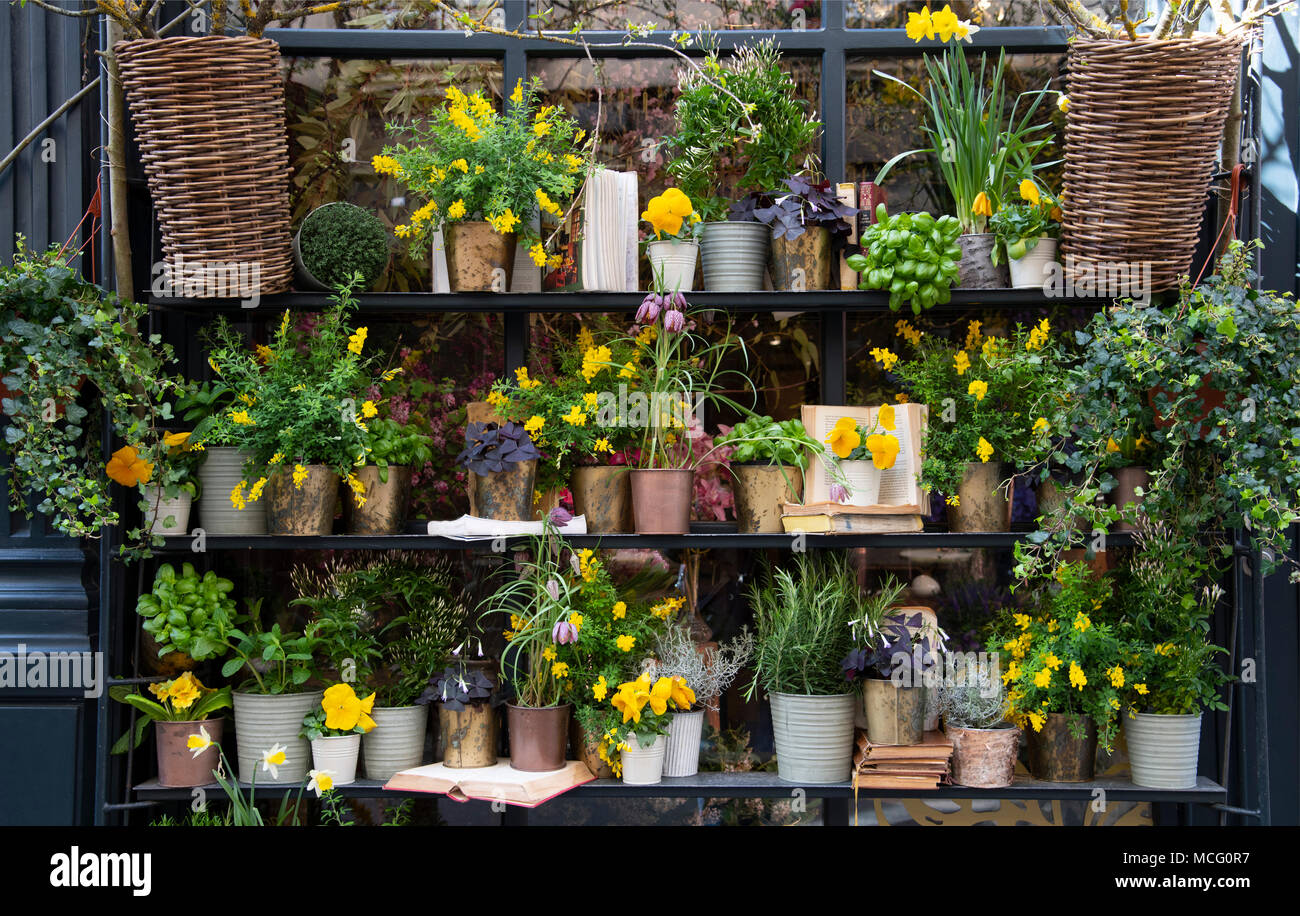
{"x": 983, "y": 758}
{"x": 661, "y": 500}
{"x": 803, "y": 263}
{"x": 386, "y": 502}
{"x": 468, "y": 737}
{"x": 1056, "y": 755}
{"x": 178, "y": 766}
{"x": 304, "y": 510}
{"x": 539, "y": 737}
{"x": 479, "y": 259}
{"x": 1127, "y": 480}
{"x": 507, "y": 495}
{"x": 604, "y": 496}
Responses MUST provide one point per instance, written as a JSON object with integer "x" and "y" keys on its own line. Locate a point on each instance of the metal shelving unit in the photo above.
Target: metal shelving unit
{"x": 833, "y": 43}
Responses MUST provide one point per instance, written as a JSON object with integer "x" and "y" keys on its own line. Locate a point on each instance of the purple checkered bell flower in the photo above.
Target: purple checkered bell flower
{"x": 564, "y": 633}
{"x": 838, "y": 493}
{"x": 678, "y": 301}
{"x": 553, "y": 589}
{"x": 649, "y": 309}
{"x": 674, "y": 321}
{"x": 561, "y": 516}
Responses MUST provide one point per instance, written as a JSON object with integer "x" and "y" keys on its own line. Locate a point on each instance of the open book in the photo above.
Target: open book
{"x": 900, "y": 489}
{"x": 610, "y": 256}
{"x": 473, "y": 527}
{"x": 499, "y": 782}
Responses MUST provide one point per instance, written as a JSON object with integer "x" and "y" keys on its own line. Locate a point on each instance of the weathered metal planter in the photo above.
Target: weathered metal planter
{"x": 587, "y": 749}
{"x": 479, "y": 259}
{"x": 976, "y": 269}
{"x": 386, "y": 502}
{"x": 682, "y": 753}
{"x": 167, "y": 516}
{"x": 760, "y": 490}
{"x": 982, "y": 506}
{"x": 604, "y": 495}
{"x": 507, "y": 495}
{"x": 223, "y": 470}
{"x": 661, "y": 500}
{"x": 302, "y": 510}
{"x": 895, "y": 715}
{"x": 1163, "y": 749}
{"x": 813, "y": 736}
{"x": 803, "y": 263}
{"x": 1056, "y": 755}
{"x": 263, "y": 721}
{"x": 539, "y": 737}
{"x": 468, "y": 737}
{"x": 734, "y": 256}
{"x": 338, "y": 754}
{"x": 179, "y": 766}
{"x": 396, "y": 742}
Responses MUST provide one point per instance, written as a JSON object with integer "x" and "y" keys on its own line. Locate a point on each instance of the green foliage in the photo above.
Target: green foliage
{"x": 1020, "y": 224}
{"x": 68, "y": 352}
{"x": 764, "y": 440}
{"x": 912, "y": 255}
{"x": 339, "y": 240}
{"x": 276, "y": 661}
{"x": 738, "y": 121}
{"x": 188, "y": 613}
{"x": 393, "y": 444}
{"x": 200, "y": 703}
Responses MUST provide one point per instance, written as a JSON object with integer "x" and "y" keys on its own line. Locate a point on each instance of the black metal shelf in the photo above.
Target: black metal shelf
{"x": 760, "y": 301}
{"x": 769, "y": 785}
{"x": 716, "y": 541}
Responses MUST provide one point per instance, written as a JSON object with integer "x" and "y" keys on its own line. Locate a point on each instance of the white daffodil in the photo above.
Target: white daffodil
{"x": 321, "y": 781}
{"x": 273, "y": 759}
{"x": 199, "y": 743}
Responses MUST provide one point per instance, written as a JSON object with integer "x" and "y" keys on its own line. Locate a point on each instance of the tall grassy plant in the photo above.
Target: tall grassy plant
{"x": 803, "y": 615}
{"x": 981, "y": 148}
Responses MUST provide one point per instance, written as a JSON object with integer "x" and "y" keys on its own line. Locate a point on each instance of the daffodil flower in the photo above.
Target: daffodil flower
{"x": 320, "y": 781}
{"x": 273, "y": 758}
{"x": 197, "y": 744}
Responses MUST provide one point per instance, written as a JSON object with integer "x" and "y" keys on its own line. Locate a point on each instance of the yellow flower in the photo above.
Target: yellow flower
{"x": 1116, "y": 676}
{"x": 538, "y": 254}
{"x": 953, "y": 500}
{"x": 299, "y": 476}
{"x": 546, "y": 204}
{"x": 600, "y": 689}
{"x": 601, "y": 445}
{"x": 844, "y": 437}
{"x": 456, "y": 210}
{"x": 358, "y": 490}
{"x": 1038, "y": 336}
{"x": 984, "y": 450}
{"x": 1082, "y": 622}
{"x": 982, "y": 206}
{"x": 884, "y": 450}
{"x": 683, "y": 696}
{"x": 1112, "y": 445}
{"x": 541, "y": 129}
{"x": 575, "y": 417}
{"x": 978, "y": 388}
{"x": 1051, "y": 661}
{"x": 386, "y": 165}
{"x": 237, "y": 496}
{"x": 1078, "y": 679}
{"x": 907, "y": 332}
{"x": 127, "y": 467}
{"x": 920, "y": 25}
{"x": 961, "y": 362}
{"x": 1037, "y": 720}
{"x": 504, "y": 223}
{"x": 1043, "y": 678}
{"x": 560, "y": 670}
{"x": 272, "y": 758}
{"x": 368, "y": 410}
{"x": 625, "y": 643}
{"x": 242, "y": 418}
{"x": 1042, "y": 426}
{"x": 342, "y": 708}
{"x": 533, "y": 425}
{"x": 575, "y": 621}
{"x": 199, "y": 743}
{"x": 518, "y": 95}
{"x": 462, "y": 165}
{"x": 1021, "y": 620}
{"x": 1029, "y": 192}
{"x": 885, "y": 357}
{"x": 255, "y": 491}
{"x": 594, "y": 361}
{"x": 973, "y": 334}
{"x": 573, "y": 162}
{"x": 885, "y": 417}
{"x": 357, "y": 340}
{"x": 1141, "y": 689}
{"x": 1063, "y": 102}
{"x": 620, "y": 610}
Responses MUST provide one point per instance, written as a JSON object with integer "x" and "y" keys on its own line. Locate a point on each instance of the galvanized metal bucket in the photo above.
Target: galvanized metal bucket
{"x": 682, "y": 757}
{"x": 1163, "y": 749}
{"x": 643, "y": 766}
{"x": 813, "y": 737}
{"x": 672, "y": 264}
{"x": 396, "y": 742}
{"x": 223, "y": 470}
{"x": 734, "y": 256}
{"x": 263, "y": 721}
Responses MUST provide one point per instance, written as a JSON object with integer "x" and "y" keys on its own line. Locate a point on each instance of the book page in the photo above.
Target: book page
{"x": 898, "y": 484}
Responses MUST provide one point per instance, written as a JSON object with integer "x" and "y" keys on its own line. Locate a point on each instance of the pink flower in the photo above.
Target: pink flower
{"x": 674, "y": 321}
{"x": 560, "y": 516}
{"x": 838, "y": 493}
{"x": 649, "y": 309}
{"x": 564, "y": 633}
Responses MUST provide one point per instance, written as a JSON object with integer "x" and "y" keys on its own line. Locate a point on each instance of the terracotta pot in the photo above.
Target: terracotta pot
{"x": 506, "y": 496}
{"x": 604, "y": 496}
{"x": 895, "y": 715}
{"x": 387, "y": 502}
{"x": 661, "y": 500}
{"x": 587, "y": 749}
{"x": 538, "y": 737}
{"x": 760, "y": 491}
{"x": 981, "y": 505}
{"x": 479, "y": 259}
{"x": 975, "y": 270}
{"x": 1127, "y": 480}
{"x": 177, "y": 764}
{"x": 803, "y": 263}
{"x": 1055, "y": 755}
{"x": 468, "y": 737}
{"x": 305, "y": 510}
{"x": 983, "y": 758}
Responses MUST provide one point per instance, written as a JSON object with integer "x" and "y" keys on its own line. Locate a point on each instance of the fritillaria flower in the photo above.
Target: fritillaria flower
{"x": 674, "y": 321}
{"x": 649, "y": 309}
{"x": 564, "y": 633}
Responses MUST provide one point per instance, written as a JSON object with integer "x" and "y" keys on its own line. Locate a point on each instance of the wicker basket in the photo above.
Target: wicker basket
{"x": 209, "y": 119}
{"x": 1142, "y": 135}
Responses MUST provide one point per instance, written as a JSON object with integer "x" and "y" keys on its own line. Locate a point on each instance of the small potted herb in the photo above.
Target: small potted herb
{"x": 467, "y": 722}
{"x": 393, "y": 452}
{"x": 336, "y": 240}
{"x": 767, "y": 462}
{"x": 912, "y": 256}
{"x": 984, "y": 744}
{"x": 805, "y": 224}
{"x": 186, "y": 616}
{"x": 503, "y": 460}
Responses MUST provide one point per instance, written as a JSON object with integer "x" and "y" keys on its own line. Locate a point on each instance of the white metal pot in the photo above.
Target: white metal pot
{"x": 223, "y": 470}
{"x": 864, "y": 482}
{"x": 1034, "y": 270}
{"x": 338, "y": 755}
{"x": 813, "y": 737}
{"x": 1163, "y": 749}
{"x": 682, "y": 757}
{"x": 643, "y": 766}
{"x": 263, "y": 721}
{"x": 396, "y": 742}
{"x": 734, "y": 256}
{"x": 167, "y": 516}
{"x": 672, "y": 263}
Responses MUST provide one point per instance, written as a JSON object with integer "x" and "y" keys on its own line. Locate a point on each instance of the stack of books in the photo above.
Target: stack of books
{"x": 915, "y": 766}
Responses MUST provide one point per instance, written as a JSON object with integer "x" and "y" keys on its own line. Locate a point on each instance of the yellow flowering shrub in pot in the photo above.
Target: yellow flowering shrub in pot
{"x": 299, "y": 414}
{"x": 484, "y": 176}
{"x": 335, "y": 731}
{"x": 990, "y": 400}
{"x": 179, "y": 708}
{"x": 209, "y": 406}
{"x": 674, "y": 247}
{"x": 1063, "y": 666}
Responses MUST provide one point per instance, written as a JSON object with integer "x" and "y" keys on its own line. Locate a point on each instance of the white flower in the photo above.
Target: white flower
{"x": 197, "y": 744}
{"x": 273, "y": 759}
{"x": 321, "y": 781}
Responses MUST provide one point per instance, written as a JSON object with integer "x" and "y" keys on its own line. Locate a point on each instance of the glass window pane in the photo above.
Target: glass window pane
{"x": 892, "y": 14}
{"x": 403, "y": 14}
{"x": 336, "y": 111}
{"x": 680, "y": 14}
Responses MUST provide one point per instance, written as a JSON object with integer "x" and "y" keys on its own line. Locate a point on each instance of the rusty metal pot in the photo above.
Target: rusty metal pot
{"x": 386, "y": 502}
{"x": 304, "y": 510}
{"x": 760, "y": 491}
{"x": 803, "y": 263}
{"x": 506, "y": 496}
{"x": 981, "y": 505}
{"x": 479, "y": 259}
{"x": 587, "y": 749}
{"x": 1056, "y": 755}
{"x": 177, "y": 765}
{"x": 604, "y": 496}
{"x": 1127, "y": 480}
{"x": 468, "y": 737}
{"x": 539, "y": 737}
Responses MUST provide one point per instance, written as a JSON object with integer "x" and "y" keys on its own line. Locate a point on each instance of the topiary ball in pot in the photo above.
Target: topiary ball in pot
{"x": 338, "y": 239}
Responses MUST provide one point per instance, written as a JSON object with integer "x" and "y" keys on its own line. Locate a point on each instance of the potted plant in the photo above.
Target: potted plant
{"x": 299, "y": 414}
{"x": 503, "y": 459}
{"x": 336, "y": 241}
{"x": 979, "y": 139}
{"x": 393, "y": 451}
{"x": 767, "y": 461}
{"x": 912, "y": 255}
{"x": 675, "y": 247}
{"x": 209, "y": 406}
{"x": 893, "y": 654}
{"x": 273, "y": 699}
{"x": 990, "y": 399}
{"x": 973, "y": 704}
{"x": 740, "y": 126}
{"x": 335, "y": 731}
{"x": 647, "y": 705}
{"x": 803, "y": 614}
{"x": 171, "y": 492}
{"x": 1027, "y": 231}
{"x": 806, "y": 223}
{"x": 675, "y": 372}
{"x": 1063, "y": 666}
{"x": 467, "y": 721}
{"x": 186, "y": 617}
{"x": 483, "y": 177}
{"x": 861, "y": 453}
{"x": 708, "y": 672}
{"x": 181, "y": 707}
{"x": 1173, "y": 672}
